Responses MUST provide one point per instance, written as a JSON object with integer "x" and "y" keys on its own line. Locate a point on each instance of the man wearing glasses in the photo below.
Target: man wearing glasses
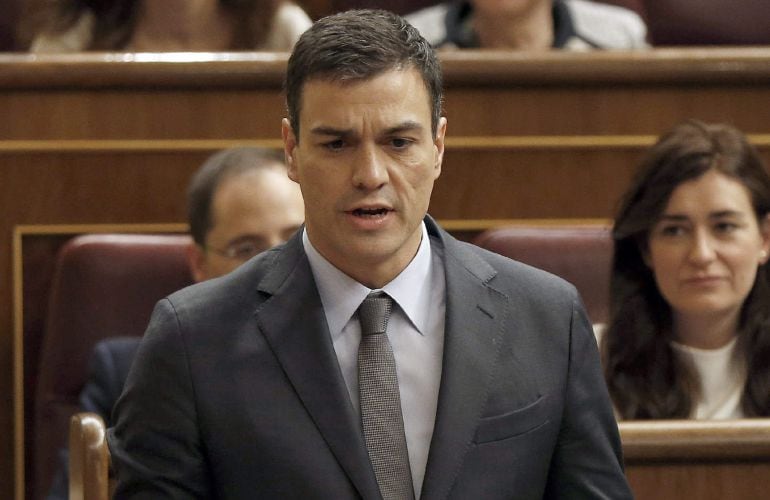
{"x": 240, "y": 203}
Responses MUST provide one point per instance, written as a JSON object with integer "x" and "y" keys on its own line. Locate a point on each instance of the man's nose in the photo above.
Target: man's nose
{"x": 370, "y": 170}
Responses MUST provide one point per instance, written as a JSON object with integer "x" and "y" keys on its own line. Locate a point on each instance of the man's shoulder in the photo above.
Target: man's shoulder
{"x": 608, "y": 26}
{"x": 510, "y": 276}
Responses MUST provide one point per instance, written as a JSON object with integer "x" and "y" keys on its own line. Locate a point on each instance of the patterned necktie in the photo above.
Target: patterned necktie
{"x": 380, "y": 402}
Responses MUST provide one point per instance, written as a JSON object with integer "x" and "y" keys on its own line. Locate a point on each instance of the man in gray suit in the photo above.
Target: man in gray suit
{"x": 253, "y": 386}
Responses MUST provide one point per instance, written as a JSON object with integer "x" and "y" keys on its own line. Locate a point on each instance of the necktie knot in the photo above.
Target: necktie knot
{"x": 374, "y": 312}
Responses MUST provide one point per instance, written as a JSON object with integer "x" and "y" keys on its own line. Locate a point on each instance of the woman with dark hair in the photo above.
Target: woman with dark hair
{"x": 169, "y": 25}
{"x": 689, "y": 330}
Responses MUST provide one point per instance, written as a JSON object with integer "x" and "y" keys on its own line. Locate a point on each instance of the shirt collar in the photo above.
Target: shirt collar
{"x": 341, "y": 295}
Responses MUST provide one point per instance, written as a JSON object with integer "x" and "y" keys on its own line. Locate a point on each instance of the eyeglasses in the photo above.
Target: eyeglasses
{"x": 242, "y": 250}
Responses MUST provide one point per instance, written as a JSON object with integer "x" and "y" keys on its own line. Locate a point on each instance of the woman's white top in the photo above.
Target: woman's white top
{"x": 722, "y": 375}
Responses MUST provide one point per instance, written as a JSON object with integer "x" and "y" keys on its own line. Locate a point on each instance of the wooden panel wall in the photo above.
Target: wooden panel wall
{"x": 113, "y": 138}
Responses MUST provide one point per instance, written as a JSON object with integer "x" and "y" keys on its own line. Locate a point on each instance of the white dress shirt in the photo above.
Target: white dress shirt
{"x": 415, "y": 331}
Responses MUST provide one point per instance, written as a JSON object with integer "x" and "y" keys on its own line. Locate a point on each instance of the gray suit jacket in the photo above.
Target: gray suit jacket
{"x": 236, "y": 391}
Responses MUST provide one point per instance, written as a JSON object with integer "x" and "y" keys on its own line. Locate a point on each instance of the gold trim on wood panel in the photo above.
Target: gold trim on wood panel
{"x": 453, "y": 143}
{"x": 550, "y": 142}
{"x": 173, "y": 227}
{"x": 56, "y": 229}
{"x": 131, "y": 145}
{"x": 18, "y": 368}
{"x": 483, "y": 224}
{"x": 569, "y": 141}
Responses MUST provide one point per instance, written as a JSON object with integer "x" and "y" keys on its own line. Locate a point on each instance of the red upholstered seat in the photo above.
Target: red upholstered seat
{"x": 104, "y": 285}
{"x": 580, "y": 254}
{"x": 708, "y": 22}
{"x": 9, "y": 18}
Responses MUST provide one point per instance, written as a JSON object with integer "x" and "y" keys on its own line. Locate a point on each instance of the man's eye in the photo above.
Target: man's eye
{"x": 401, "y": 143}
{"x": 335, "y": 145}
{"x": 246, "y": 250}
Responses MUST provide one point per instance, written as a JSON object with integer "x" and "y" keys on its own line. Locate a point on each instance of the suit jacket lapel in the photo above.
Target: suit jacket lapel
{"x": 294, "y": 325}
{"x": 475, "y": 315}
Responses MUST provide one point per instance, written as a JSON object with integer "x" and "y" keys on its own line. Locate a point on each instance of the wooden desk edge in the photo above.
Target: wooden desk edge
{"x": 696, "y": 440}
{"x": 738, "y": 65}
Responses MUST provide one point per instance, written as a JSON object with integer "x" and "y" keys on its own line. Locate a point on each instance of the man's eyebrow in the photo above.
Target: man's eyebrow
{"x": 406, "y": 126}
{"x": 247, "y": 238}
{"x": 327, "y": 130}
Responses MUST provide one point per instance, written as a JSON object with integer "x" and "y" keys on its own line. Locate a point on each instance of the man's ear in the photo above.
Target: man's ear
{"x": 289, "y": 148}
{"x": 196, "y": 259}
{"x": 438, "y": 144}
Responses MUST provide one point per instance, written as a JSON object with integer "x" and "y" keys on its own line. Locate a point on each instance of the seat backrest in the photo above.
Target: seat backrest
{"x": 708, "y": 22}
{"x": 9, "y": 18}
{"x": 104, "y": 285}
{"x": 581, "y": 254}
{"x": 89, "y": 458}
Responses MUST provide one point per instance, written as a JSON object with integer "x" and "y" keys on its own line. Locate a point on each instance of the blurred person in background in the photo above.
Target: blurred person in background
{"x": 532, "y": 25}
{"x": 240, "y": 203}
{"x": 689, "y": 329}
{"x": 168, "y": 25}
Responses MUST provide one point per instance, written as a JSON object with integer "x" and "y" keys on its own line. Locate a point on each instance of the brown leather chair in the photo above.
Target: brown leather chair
{"x": 581, "y": 254}
{"x": 89, "y": 458}
{"x": 104, "y": 285}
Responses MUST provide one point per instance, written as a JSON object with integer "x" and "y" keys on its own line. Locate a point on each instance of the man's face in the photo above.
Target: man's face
{"x": 251, "y": 212}
{"x": 366, "y": 162}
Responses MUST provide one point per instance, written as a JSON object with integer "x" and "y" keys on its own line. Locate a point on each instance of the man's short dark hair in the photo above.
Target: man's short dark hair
{"x": 218, "y": 167}
{"x": 358, "y": 45}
